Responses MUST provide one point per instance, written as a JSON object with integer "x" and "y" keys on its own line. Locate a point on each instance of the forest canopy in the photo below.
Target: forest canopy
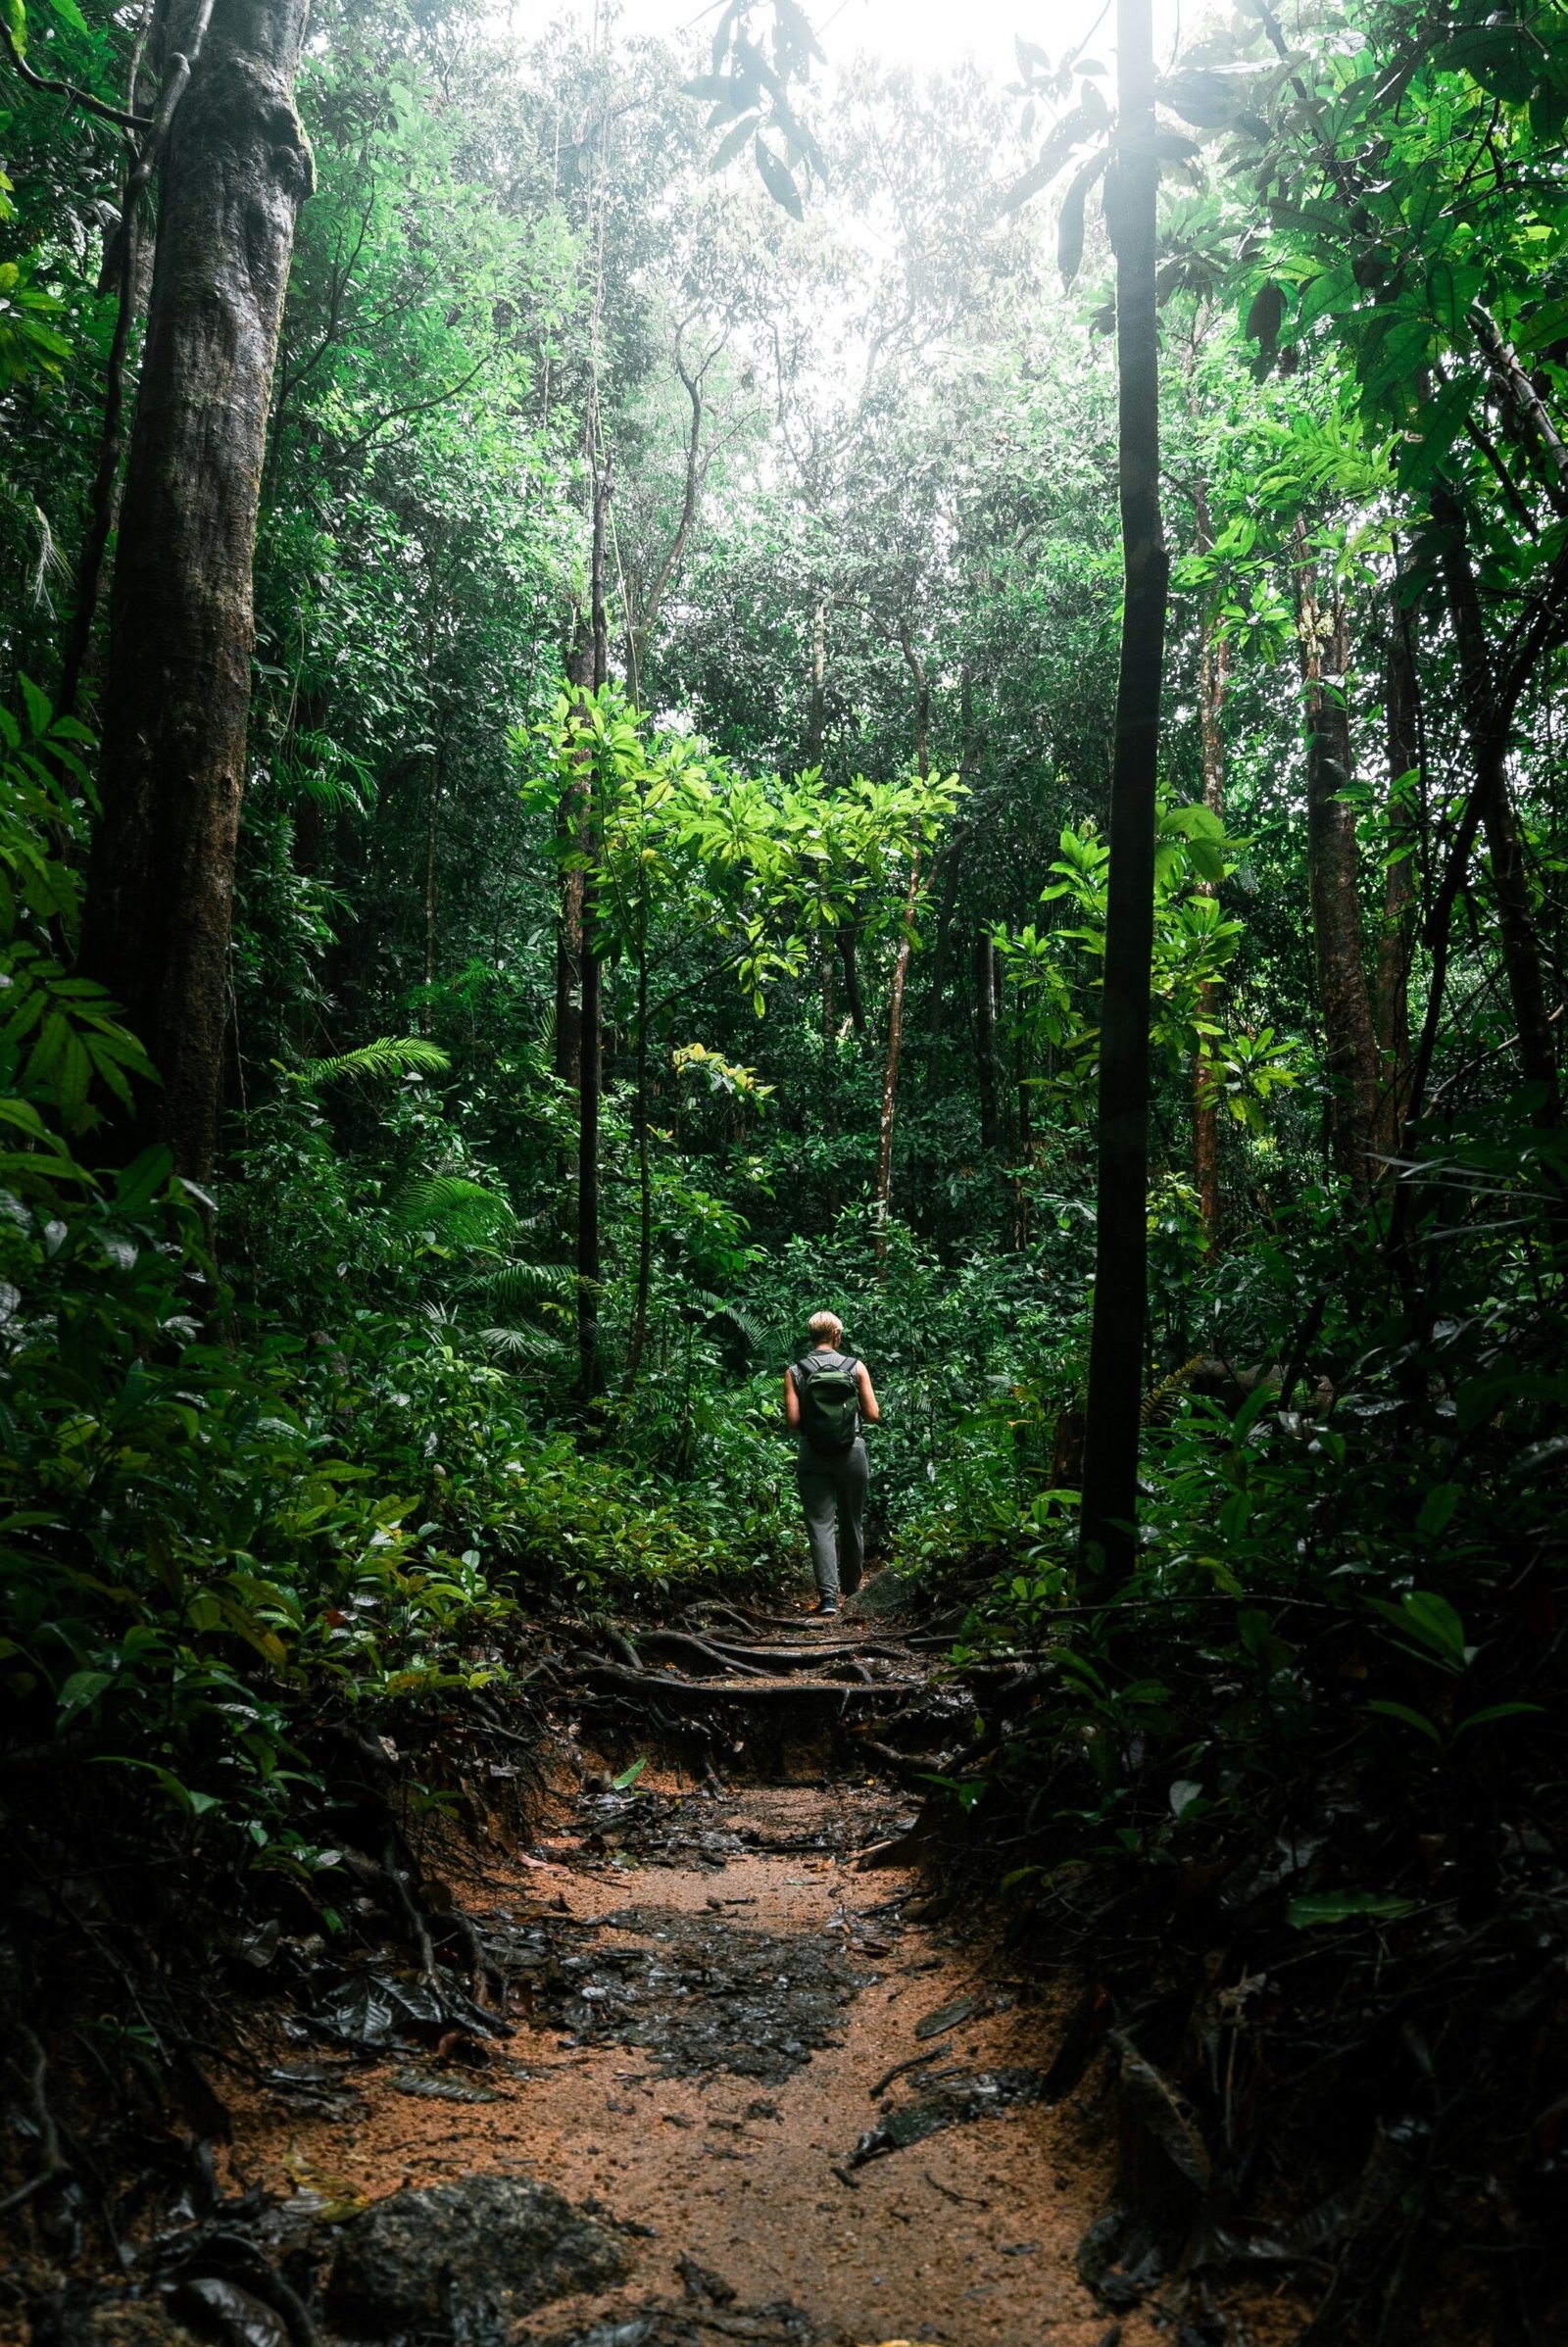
{"x": 643, "y": 688}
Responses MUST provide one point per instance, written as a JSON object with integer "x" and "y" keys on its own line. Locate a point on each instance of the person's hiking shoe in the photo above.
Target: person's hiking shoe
{"x": 820, "y": 1613}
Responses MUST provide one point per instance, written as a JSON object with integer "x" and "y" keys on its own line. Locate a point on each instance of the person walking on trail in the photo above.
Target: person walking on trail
{"x": 827, "y": 1398}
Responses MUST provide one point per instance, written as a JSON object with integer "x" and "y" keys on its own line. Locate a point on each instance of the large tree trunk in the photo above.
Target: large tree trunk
{"x": 1396, "y": 934}
{"x": 1117, "y": 1340}
{"x": 176, "y": 697}
{"x": 1349, "y": 1041}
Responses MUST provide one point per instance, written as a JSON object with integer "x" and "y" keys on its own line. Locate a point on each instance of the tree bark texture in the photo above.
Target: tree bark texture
{"x": 1350, "y": 1043}
{"x": 156, "y": 931}
{"x": 1116, "y": 1339}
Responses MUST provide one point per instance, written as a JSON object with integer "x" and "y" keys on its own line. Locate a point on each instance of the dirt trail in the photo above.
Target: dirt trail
{"x": 704, "y": 1988}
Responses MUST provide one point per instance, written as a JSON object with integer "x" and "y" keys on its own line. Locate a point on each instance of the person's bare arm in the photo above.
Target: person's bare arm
{"x": 870, "y": 1408}
{"x": 791, "y": 1402}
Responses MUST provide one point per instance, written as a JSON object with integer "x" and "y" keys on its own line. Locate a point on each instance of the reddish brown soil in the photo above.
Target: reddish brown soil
{"x": 965, "y": 2239}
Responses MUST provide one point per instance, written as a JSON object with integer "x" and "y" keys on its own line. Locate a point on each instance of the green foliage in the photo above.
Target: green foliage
{"x": 1054, "y": 971}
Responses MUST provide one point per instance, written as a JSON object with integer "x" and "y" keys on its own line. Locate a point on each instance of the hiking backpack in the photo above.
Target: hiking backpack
{"x": 830, "y": 1403}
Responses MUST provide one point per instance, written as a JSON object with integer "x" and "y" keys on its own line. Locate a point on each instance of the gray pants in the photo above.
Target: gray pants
{"x": 833, "y": 1486}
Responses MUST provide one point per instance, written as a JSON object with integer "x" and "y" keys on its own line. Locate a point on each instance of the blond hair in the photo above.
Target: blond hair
{"x": 825, "y": 1324}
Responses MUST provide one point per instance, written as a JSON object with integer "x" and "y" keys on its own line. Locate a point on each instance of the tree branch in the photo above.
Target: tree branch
{"x": 68, "y": 90}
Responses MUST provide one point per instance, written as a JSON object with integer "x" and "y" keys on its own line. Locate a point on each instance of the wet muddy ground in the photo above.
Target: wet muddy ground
{"x": 705, "y": 1993}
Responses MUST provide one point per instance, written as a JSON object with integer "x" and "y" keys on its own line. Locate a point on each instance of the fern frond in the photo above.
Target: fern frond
{"x": 753, "y": 1334}
{"x": 515, "y": 1285}
{"x": 388, "y": 1056}
{"x": 458, "y": 1209}
{"x": 319, "y": 770}
{"x": 531, "y": 1345}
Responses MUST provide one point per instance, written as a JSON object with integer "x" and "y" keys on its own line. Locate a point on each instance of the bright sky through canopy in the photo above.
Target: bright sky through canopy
{"x": 930, "y": 34}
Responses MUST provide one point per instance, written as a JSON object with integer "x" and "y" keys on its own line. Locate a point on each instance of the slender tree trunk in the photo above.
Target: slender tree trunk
{"x": 1487, "y": 728}
{"x": 1213, "y": 677}
{"x": 1116, "y": 1339}
{"x": 568, "y": 920}
{"x": 1397, "y": 935}
{"x": 815, "y": 709}
{"x": 1349, "y": 1040}
{"x": 589, "y": 1070}
{"x": 645, "y": 1170}
{"x": 942, "y": 950}
{"x": 901, "y": 963}
{"x": 853, "y": 996}
{"x": 155, "y": 932}
{"x": 432, "y": 808}
{"x": 129, "y": 258}
{"x": 985, "y": 1007}
{"x": 1024, "y": 1155}
{"x": 816, "y": 713}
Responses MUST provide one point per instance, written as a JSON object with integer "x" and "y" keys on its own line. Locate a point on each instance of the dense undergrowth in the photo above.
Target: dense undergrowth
{"x": 1290, "y": 1801}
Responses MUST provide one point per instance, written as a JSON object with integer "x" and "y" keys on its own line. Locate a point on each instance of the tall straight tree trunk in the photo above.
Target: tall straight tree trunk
{"x": 1116, "y": 1338}
{"x": 1487, "y": 725}
{"x": 1349, "y": 1040}
{"x": 949, "y": 886}
{"x": 645, "y": 1169}
{"x": 942, "y": 950}
{"x": 588, "y": 1068}
{"x": 568, "y": 919}
{"x": 176, "y": 695}
{"x": 1396, "y": 934}
{"x": 985, "y": 1034}
{"x": 818, "y": 710}
{"x": 900, "y": 963}
{"x": 814, "y": 719}
{"x": 432, "y": 814}
{"x": 1213, "y": 677}
{"x": 131, "y": 260}
{"x": 852, "y": 976}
